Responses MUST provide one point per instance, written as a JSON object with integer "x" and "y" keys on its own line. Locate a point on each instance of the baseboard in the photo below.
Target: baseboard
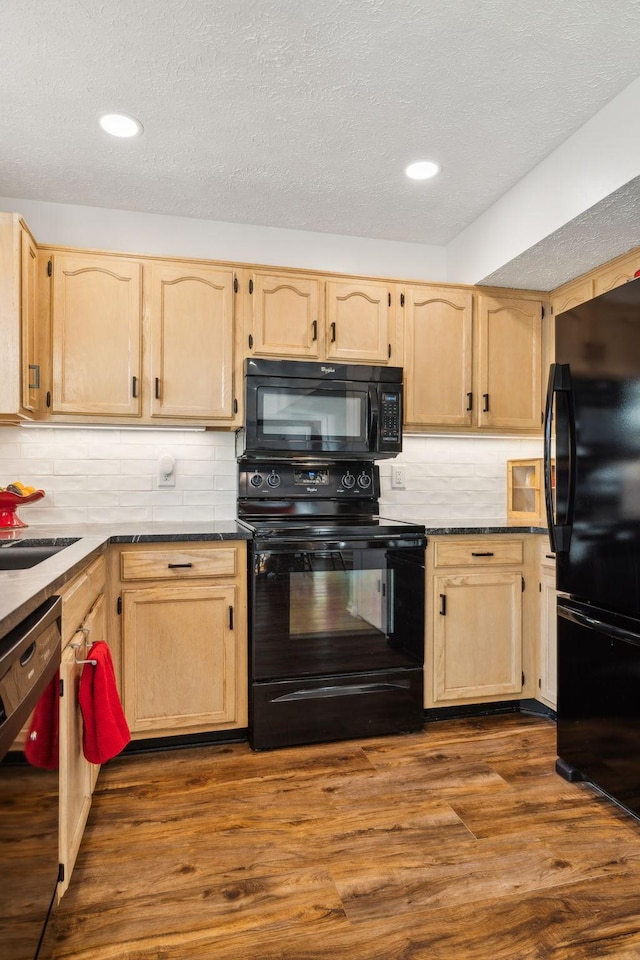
{"x": 182, "y": 741}
{"x": 462, "y": 711}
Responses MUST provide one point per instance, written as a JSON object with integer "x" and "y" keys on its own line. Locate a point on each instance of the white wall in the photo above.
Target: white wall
{"x": 110, "y": 474}
{"x": 143, "y": 233}
{"x": 593, "y": 163}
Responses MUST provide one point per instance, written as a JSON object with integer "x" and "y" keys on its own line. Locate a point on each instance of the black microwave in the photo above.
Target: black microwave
{"x": 303, "y": 409}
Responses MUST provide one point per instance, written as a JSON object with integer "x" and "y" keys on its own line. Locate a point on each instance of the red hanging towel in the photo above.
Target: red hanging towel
{"x": 106, "y": 731}
{"x": 41, "y": 748}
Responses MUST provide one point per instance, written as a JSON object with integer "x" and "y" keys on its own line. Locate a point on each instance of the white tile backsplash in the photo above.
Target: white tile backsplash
{"x": 94, "y": 475}
{"x": 453, "y": 478}
{"x": 111, "y": 474}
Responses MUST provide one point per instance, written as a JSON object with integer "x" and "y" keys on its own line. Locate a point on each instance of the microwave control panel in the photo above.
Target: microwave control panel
{"x": 390, "y": 416}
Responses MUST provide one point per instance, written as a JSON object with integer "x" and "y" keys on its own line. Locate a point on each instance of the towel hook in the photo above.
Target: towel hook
{"x": 76, "y": 647}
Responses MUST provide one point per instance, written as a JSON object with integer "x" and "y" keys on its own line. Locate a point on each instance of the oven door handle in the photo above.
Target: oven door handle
{"x": 284, "y": 545}
{"x": 349, "y": 690}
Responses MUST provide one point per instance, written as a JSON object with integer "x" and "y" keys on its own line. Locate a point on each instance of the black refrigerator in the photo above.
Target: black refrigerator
{"x": 593, "y": 509}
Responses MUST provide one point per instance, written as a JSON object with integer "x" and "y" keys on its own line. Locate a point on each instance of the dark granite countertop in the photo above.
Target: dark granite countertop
{"x": 21, "y": 591}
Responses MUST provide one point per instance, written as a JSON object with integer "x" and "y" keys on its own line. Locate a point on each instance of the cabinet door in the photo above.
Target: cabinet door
{"x": 178, "y": 657}
{"x": 477, "y": 635}
{"x": 437, "y": 357}
{"x": 191, "y": 334}
{"x": 30, "y": 360}
{"x": 572, "y": 296}
{"x": 616, "y": 274}
{"x": 358, "y": 322}
{"x": 547, "y": 655}
{"x": 96, "y": 333}
{"x": 510, "y": 364}
{"x": 284, "y": 316}
{"x": 77, "y": 775}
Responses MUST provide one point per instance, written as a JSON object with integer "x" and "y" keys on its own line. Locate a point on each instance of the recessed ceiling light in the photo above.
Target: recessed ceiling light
{"x": 422, "y": 170}
{"x": 120, "y": 125}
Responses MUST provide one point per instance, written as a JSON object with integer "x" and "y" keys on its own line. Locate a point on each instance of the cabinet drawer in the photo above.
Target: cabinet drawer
{"x": 454, "y": 553}
{"x": 178, "y": 563}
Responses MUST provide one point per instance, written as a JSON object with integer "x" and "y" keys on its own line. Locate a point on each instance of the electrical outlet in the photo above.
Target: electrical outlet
{"x": 398, "y": 477}
{"x": 166, "y": 470}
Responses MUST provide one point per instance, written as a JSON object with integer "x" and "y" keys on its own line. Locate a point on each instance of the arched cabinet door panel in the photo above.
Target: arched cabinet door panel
{"x": 96, "y": 326}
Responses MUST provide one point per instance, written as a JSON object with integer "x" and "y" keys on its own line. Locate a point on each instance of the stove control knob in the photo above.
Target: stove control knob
{"x": 348, "y": 481}
{"x": 364, "y": 481}
{"x": 273, "y": 479}
{"x": 256, "y": 480}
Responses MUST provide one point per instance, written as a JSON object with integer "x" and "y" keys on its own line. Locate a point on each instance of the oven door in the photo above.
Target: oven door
{"x": 337, "y": 641}
{"x": 300, "y": 417}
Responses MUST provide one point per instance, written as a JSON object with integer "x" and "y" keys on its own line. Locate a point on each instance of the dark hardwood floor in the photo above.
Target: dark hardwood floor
{"x": 456, "y": 843}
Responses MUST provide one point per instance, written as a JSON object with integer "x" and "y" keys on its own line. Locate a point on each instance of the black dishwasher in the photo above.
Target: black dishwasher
{"x": 29, "y": 660}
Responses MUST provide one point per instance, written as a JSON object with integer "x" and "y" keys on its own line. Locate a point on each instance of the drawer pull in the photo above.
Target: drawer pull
{"x": 487, "y": 554}
{"x": 443, "y": 604}
{"x": 550, "y": 556}
{"x": 174, "y": 566}
{"x": 230, "y": 618}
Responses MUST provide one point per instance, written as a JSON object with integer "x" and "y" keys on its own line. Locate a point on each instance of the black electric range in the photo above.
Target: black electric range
{"x": 336, "y": 605}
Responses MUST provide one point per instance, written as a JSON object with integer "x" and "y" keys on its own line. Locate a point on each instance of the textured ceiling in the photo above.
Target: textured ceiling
{"x": 601, "y": 233}
{"x": 302, "y": 113}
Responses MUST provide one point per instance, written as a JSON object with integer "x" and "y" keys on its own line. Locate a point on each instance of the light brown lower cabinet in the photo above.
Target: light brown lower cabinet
{"x": 547, "y": 649}
{"x": 183, "y": 637}
{"x": 479, "y": 620}
{"x": 83, "y": 622}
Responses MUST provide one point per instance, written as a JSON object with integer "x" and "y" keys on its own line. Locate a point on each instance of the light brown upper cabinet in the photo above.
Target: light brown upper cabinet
{"x": 617, "y": 273}
{"x": 21, "y": 385}
{"x": 284, "y": 317}
{"x": 358, "y": 322}
{"x": 96, "y": 330}
{"x": 145, "y": 339}
{"x": 191, "y": 341}
{"x": 509, "y": 356}
{"x": 438, "y": 339}
{"x": 293, "y": 316}
{"x": 472, "y": 372}
{"x": 571, "y": 295}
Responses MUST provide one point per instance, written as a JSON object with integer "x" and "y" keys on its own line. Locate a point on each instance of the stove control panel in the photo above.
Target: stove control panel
{"x": 260, "y": 480}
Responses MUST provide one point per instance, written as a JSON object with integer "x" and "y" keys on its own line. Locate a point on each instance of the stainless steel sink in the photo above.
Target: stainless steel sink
{"x": 21, "y": 555}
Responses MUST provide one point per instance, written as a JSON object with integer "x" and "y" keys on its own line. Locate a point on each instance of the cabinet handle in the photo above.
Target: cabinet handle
{"x": 230, "y": 618}
{"x": 487, "y": 554}
{"x": 175, "y": 566}
{"x": 333, "y": 332}
{"x": 134, "y": 387}
{"x": 250, "y": 341}
{"x": 550, "y": 556}
{"x": 157, "y": 388}
{"x": 443, "y": 604}
{"x": 314, "y": 327}
{"x": 485, "y": 409}
{"x": 469, "y": 401}
{"x": 36, "y": 378}
{"x": 389, "y": 351}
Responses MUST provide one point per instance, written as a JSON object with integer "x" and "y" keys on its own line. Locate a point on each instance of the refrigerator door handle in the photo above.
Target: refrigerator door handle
{"x": 600, "y": 626}
{"x": 560, "y": 389}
